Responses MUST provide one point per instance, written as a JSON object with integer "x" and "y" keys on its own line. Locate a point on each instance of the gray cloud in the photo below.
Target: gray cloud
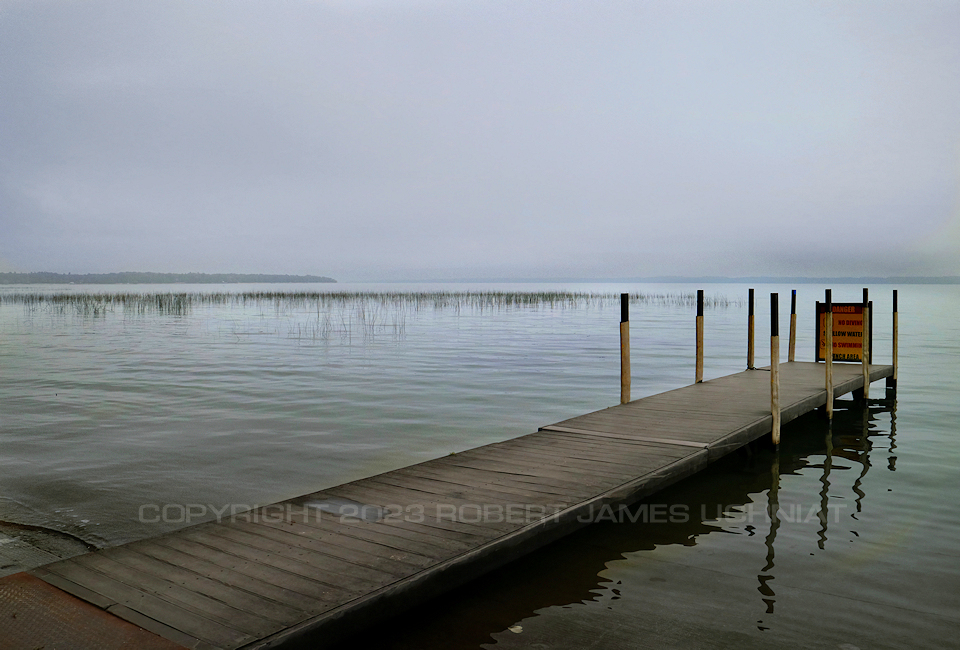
{"x": 377, "y": 140}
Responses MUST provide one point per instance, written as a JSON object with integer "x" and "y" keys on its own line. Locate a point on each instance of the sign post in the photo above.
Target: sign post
{"x": 865, "y": 337}
{"x": 827, "y": 337}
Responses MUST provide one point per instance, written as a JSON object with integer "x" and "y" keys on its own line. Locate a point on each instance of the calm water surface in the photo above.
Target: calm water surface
{"x": 230, "y": 405}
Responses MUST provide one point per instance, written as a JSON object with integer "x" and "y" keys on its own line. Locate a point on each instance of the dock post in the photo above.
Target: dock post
{"x": 828, "y": 350}
{"x": 699, "y": 336}
{"x": 624, "y": 348}
{"x": 750, "y": 332}
{"x": 892, "y": 381}
{"x": 865, "y": 347}
{"x": 792, "y": 349}
{"x": 775, "y": 366}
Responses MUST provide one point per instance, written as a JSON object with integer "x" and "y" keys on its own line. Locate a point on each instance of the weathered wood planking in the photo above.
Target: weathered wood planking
{"x": 267, "y": 577}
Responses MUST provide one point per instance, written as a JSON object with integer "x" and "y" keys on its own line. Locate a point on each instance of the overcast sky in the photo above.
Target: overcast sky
{"x": 378, "y": 140}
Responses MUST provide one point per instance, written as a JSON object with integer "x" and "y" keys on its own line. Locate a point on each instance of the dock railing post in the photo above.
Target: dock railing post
{"x": 865, "y": 347}
{"x": 828, "y": 350}
{"x": 892, "y": 381}
{"x": 792, "y": 349}
{"x": 775, "y": 366}
{"x": 750, "y": 324}
{"x": 624, "y": 348}
{"x": 699, "y": 336}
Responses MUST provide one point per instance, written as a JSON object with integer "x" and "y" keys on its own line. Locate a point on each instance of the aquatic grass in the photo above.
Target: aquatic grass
{"x": 343, "y": 314}
{"x": 369, "y": 305}
{"x": 325, "y": 327}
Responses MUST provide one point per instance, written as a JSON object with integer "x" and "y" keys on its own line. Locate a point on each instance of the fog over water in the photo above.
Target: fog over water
{"x": 380, "y": 140}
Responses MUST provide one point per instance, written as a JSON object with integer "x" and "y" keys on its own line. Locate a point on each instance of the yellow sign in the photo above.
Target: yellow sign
{"x": 847, "y": 331}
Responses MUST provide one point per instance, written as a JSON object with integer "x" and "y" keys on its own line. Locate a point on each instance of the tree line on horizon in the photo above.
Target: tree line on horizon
{"x": 135, "y": 277}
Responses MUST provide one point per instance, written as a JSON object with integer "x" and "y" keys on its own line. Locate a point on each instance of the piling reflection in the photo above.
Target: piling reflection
{"x": 863, "y": 457}
{"x": 773, "y": 513}
{"x": 854, "y": 444}
{"x": 723, "y": 499}
{"x": 892, "y": 458}
{"x": 825, "y": 489}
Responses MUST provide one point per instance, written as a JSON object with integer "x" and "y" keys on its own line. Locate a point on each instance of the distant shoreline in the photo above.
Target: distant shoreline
{"x": 132, "y": 277}
{"x": 675, "y": 279}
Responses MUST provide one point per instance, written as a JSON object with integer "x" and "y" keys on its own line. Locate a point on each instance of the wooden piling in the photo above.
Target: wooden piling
{"x": 750, "y": 323}
{"x": 792, "y": 349}
{"x": 699, "y": 336}
{"x": 828, "y": 351}
{"x": 892, "y": 381}
{"x": 865, "y": 349}
{"x": 624, "y": 348}
{"x": 775, "y": 366}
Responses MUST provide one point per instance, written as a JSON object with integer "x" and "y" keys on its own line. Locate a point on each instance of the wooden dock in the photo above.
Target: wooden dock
{"x": 335, "y": 561}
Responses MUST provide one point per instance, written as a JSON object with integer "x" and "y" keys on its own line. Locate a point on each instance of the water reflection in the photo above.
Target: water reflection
{"x": 773, "y": 513}
{"x": 825, "y": 490}
{"x": 863, "y": 457}
{"x": 892, "y": 459}
{"x": 576, "y": 571}
{"x": 855, "y": 445}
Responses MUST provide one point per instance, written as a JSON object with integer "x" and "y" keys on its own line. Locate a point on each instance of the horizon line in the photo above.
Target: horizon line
{"x": 50, "y": 277}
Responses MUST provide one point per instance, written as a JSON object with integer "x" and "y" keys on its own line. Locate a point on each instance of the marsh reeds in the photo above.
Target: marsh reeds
{"x": 181, "y": 303}
{"x": 340, "y": 313}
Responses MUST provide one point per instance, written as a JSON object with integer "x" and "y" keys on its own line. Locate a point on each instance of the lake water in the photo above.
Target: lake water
{"x": 229, "y": 405}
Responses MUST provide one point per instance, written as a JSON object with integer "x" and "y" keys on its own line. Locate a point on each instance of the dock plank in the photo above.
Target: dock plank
{"x": 567, "y": 456}
{"x": 298, "y": 587}
{"x": 327, "y": 573}
{"x": 325, "y": 562}
{"x": 414, "y": 505}
{"x": 190, "y": 579}
{"x": 389, "y": 533}
{"x": 465, "y": 492}
{"x": 430, "y": 498}
{"x": 292, "y": 600}
{"x": 354, "y": 550}
{"x": 494, "y": 480}
{"x": 583, "y": 472}
{"x": 143, "y": 573}
{"x": 561, "y": 438}
{"x": 150, "y": 606}
{"x": 555, "y": 476}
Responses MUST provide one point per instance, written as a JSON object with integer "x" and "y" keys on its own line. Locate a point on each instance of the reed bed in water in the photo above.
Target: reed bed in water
{"x": 95, "y": 304}
{"x": 338, "y": 313}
